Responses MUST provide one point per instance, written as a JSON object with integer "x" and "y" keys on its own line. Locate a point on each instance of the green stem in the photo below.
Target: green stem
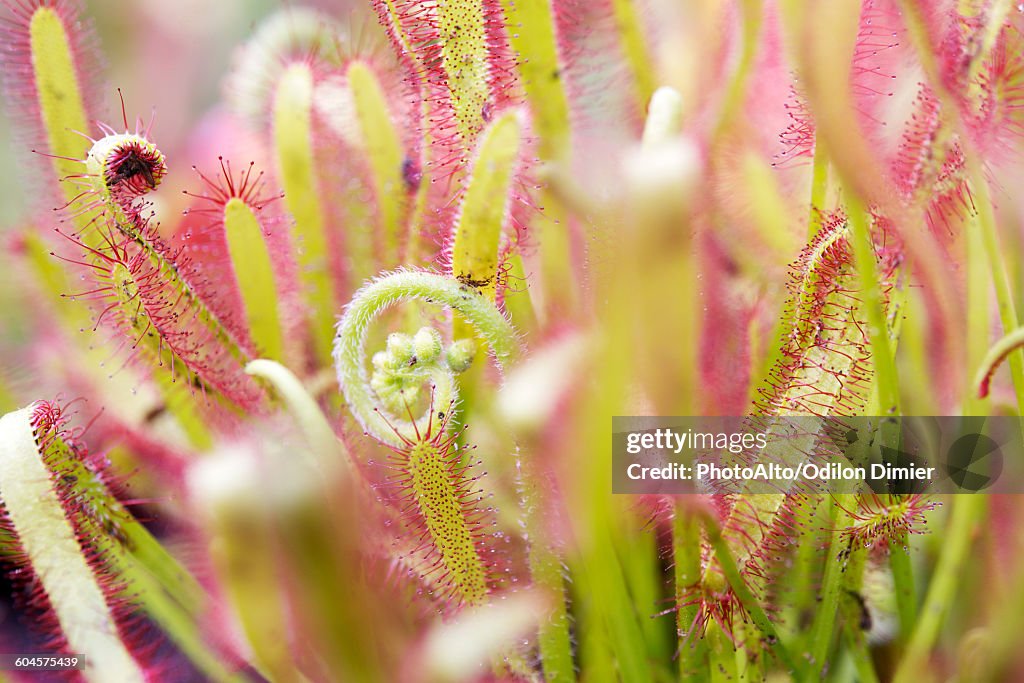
{"x": 823, "y": 628}
{"x": 611, "y": 639}
{"x": 993, "y": 250}
{"x": 686, "y": 556}
{"x": 852, "y": 585}
{"x": 871, "y": 294}
{"x": 722, "y": 659}
{"x": 819, "y": 188}
{"x": 968, "y": 513}
{"x": 546, "y": 570}
{"x": 324, "y": 445}
{"x": 746, "y": 598}
{"x": 979, "y": 317}
{"x": 600, "y": 573}
{"x": 801, "y": 582}
{"x": 886, "y": 384}
{"x": 903, "y": 581}
{"x": 996, "y": 355}
{"x": 858, "y": 652}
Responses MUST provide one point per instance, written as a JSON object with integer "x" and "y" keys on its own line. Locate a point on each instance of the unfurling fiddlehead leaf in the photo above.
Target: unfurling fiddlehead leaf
{"x": 145, "y": 286}
{"x": 431, "y": 477}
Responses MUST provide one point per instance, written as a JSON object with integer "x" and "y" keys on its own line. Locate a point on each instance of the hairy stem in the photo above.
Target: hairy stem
{"x": 546, "y": 569}
{"x": 903, "y": 581}
{"x": 491, "y": 326}
{"x": 993, "y": 252}
{"x": 823, "y": 628}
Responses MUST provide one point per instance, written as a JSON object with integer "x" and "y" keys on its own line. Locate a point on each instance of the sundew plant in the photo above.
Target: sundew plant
{"x": 320, "y": 387}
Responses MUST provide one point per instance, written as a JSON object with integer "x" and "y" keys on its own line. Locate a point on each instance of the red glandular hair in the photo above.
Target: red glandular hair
{"x": 203, "y": 239}
{"x": 453, "y": 556}
{"x": 825, "y": 300}
{"x": 873, "y": 72}
{"x": 798, "y": 137}
{"x": 878, "y": 521}
{"x": 930, "y": 164}
{"x": 415, "y": 32}
{"x": 82, "y": 487}
{"x": 824, "y": 369}
{"x": 112, "y": 198}
{"x": 724, "y": 607}
{"x": 930, "y": 168}
{"x": 998, "y": 122}
{"x": 142, "y": 288}
{"x": 133, "y": 169}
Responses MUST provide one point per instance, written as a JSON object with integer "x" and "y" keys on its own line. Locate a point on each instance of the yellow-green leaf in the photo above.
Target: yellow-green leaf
{"x": 382, "y": 146}
{"x": 478, "y": 230}
{"x": 293, "y": 144}
{"x": 255, "y": 274}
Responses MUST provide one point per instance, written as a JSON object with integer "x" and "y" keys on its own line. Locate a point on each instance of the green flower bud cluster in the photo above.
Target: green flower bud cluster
{"x": 409, "y": 362}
